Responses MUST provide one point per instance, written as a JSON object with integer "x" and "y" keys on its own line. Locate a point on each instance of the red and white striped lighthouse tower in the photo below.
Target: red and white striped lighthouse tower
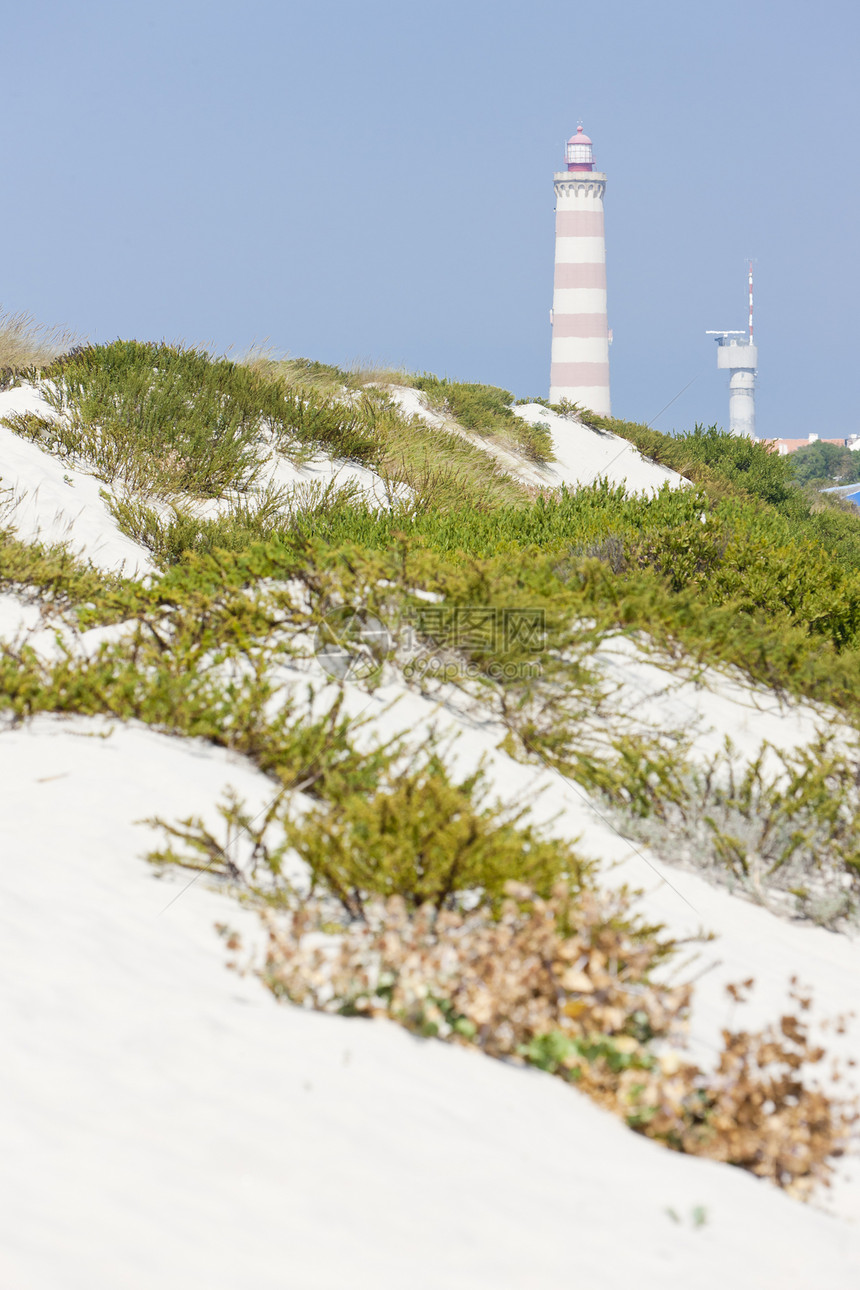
{"x": 580, "y": 336}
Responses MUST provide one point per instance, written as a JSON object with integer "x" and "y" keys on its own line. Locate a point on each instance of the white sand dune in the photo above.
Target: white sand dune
{"x": 166, "y": 1122}
{"x": 582, "y": 456}
{"x": 49, "y": 501}
{"x": 52, "y": 502}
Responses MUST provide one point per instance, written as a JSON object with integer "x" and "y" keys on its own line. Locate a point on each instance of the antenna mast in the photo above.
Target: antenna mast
{"x": 751, "y": 302}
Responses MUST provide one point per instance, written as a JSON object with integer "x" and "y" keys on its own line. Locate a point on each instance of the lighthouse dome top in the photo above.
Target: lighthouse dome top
{"x": 578, "y": 153}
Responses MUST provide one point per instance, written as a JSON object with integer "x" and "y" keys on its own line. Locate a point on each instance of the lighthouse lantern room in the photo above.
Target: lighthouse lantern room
{"x": 579, "y": 151}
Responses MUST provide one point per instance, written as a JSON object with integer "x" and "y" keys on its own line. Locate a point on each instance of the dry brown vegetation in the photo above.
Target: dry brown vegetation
{"x": 566, "y": 985}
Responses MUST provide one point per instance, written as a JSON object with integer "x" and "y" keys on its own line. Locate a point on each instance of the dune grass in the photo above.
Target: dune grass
{"x": 164, "y": 419}
{"x": 25, "y": 343}
{"x": 325, "y": 378}
{"x": 443, "y": 470}
{"x": 272, "y": 515}
{"x": 486, "y": 410}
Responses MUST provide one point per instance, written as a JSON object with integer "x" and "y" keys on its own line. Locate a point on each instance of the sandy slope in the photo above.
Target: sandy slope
{"x": 582, "y": 455}
{"x": 165, "y": 1122}
{"x": 53, "y": 502}
{"x": 50, "y": 501}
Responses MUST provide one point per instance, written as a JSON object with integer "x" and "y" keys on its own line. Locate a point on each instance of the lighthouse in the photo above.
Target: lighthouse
{"x": 580, "y": 335}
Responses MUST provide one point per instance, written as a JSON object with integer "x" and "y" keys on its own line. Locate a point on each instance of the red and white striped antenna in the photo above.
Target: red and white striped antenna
{"x": 751, "y": 302}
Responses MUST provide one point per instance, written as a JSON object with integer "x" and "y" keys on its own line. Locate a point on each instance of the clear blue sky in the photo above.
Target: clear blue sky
{"x": 373, "y": 180}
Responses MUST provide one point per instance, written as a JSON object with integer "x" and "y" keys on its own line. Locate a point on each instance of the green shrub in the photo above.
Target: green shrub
{"x": 51, "y": 575}
{"x": 157, "y": 417}
{"x": 274, "y": 515}
{"x": 780, "y": 827}
{"x": 482, "y": 408}
{"x": 414, "y": 832}
{"x": 534, "y": 438}
{"x": 427, "y": 838}
{"x": 306, "y": 418}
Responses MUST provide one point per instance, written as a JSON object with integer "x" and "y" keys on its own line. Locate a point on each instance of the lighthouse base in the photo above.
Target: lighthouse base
{"x": 595, "y": 398}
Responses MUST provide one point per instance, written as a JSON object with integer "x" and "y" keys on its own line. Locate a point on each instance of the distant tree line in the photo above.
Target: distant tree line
{"x": 825, "y": 463}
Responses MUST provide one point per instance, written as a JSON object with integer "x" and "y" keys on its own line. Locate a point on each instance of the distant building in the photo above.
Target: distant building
{"x": 737, "y": 354}
{"x": 784, "y": 446}
{"x": 739, "y": 357}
